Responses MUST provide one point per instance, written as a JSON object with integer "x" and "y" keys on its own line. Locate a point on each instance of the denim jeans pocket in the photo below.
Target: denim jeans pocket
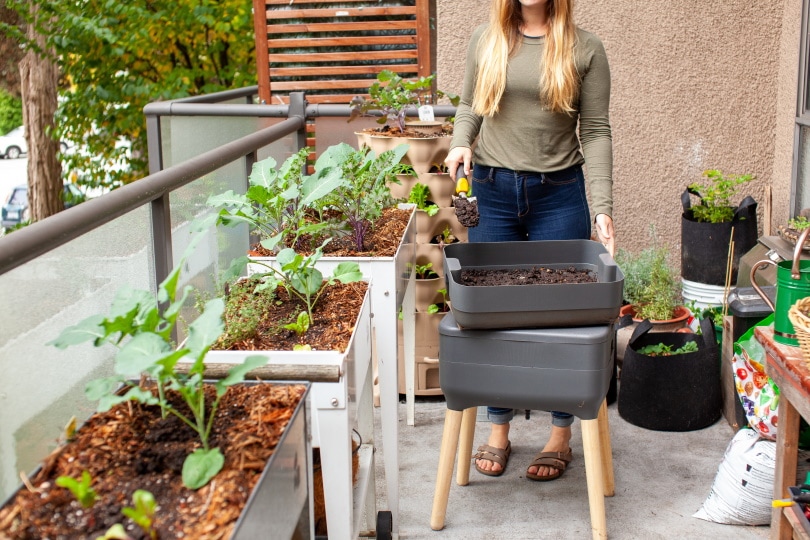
{"x": 563, "y": 177}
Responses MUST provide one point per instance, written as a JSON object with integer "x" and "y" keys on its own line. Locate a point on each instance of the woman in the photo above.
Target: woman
{"x": 531, "y": 78}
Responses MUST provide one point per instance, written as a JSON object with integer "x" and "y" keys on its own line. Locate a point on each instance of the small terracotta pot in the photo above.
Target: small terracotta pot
{"x": 678, "y": 322}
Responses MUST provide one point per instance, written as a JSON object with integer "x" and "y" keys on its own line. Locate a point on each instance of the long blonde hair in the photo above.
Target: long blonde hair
{"x": 559, "y": 81}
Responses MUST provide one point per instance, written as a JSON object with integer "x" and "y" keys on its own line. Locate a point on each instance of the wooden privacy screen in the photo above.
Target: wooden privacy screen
{"x": 333, "y": 50}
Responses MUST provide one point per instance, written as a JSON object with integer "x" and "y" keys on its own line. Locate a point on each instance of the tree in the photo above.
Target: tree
{"x": 115, "y": 57}
{"x": 39, "y": 77}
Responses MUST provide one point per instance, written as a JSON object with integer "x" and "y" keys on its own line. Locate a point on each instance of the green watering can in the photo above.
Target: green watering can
{"x": 792, "y": 284}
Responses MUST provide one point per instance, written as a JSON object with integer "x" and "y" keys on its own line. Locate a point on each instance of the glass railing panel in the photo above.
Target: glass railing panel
{"x": 42, "y": 387}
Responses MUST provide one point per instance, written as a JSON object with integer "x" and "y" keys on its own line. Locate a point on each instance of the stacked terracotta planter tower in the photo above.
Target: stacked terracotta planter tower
{"x": 427, "y": 157}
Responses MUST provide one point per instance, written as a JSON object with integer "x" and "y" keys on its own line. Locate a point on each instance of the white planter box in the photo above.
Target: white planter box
{"x": 336, "y": 408}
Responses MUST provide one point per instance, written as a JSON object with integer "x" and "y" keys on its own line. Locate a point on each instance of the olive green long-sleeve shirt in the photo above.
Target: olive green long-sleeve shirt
{"x": 525, "y": 136}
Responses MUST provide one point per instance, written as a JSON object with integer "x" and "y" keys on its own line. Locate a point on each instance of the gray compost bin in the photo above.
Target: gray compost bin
{"x": 532, "y": 306}
{"x": 561, "y": 369}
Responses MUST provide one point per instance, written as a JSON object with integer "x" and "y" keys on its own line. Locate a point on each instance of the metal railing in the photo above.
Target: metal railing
{"x": 60, "y": 270}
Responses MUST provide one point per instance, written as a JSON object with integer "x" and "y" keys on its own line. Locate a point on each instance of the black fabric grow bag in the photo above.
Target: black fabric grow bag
{"x": 704, "y": 246}
{"x": 671, "y": 393}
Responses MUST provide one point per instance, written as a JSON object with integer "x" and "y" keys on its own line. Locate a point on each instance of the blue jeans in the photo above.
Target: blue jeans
{"x": 515, "y": 205}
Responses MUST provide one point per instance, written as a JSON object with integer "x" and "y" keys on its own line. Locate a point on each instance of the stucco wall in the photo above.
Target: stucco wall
{"x": 695, "y": 85}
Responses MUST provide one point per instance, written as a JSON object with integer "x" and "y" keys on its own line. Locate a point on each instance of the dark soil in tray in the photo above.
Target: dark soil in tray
{"x": 538, "y": 275}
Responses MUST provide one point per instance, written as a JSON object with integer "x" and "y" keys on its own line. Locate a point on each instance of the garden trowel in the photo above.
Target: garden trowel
{"x": 466, "y": 207}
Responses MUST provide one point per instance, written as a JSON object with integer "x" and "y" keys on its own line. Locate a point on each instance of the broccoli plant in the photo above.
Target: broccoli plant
{"x": 358, "y": 182}
{"x": 298, "y": 275}
{"x": 277, "y": 204}
{"x": 141, "y": 326}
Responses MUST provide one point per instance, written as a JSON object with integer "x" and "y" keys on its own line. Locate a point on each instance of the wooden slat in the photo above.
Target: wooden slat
{"x": 331, "y": 71}
{"x": 292, "y": 86}
{"x": 355, "y": 56}
{"x": 352, "y": 41}
{"x": 331, "y": 13}
{"x": 303, "y": 28}
{"x": 262, "y": 53}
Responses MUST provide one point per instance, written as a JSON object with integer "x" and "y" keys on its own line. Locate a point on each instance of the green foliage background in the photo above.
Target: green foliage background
{"x": 116, "y": 57}
{"x": 10, "y": 112}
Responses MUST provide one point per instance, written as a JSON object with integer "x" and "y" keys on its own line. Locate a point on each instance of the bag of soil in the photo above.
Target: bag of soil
{"x": 678, "y": 392}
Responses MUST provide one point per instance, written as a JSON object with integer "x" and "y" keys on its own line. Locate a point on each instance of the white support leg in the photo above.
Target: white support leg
{"x": 334, "y": 431}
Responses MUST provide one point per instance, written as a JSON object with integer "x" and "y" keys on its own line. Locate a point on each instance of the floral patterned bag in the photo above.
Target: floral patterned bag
{"x": 758, "y": 393}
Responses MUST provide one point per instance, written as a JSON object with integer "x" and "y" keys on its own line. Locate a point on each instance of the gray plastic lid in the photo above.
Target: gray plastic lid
{"x": 746, "y": 301}
{"x": 579, "y": 334}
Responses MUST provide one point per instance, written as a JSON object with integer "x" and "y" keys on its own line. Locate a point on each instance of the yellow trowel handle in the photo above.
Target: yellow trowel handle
{"x": 462, "y": 184}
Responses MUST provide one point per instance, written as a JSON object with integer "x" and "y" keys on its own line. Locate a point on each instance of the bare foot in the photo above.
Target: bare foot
{"x": 557, "y": 442}
{"x": 499, "y": 438}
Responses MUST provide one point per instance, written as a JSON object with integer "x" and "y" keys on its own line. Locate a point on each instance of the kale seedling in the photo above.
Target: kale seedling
{"x": 298, "y": 275}
{"x": 358, "y": 184}
{"x": 81, "y": 489}
{"x": 143, "y": 511}
{"x": 277, "y": 203}
{"x": 141, "y": 326}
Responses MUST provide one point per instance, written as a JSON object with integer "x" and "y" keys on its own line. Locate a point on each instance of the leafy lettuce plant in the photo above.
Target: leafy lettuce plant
{"x": 420, "y": 196}
{"x": 357, "y": 181}
{"x": 278, "y": 203}
{"x": 141, "y": 326}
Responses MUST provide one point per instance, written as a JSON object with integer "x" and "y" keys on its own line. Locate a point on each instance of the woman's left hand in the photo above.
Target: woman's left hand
{"x": 604, "y": 230}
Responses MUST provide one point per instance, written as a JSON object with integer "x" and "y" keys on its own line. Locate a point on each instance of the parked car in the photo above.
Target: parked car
{"x": 15, "y": 210}
{"x": 12, "y": 144}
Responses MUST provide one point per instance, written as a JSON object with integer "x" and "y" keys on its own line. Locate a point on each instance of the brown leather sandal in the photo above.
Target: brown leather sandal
{"x": 495, "y": 455}
{"x": 555, "y": 460}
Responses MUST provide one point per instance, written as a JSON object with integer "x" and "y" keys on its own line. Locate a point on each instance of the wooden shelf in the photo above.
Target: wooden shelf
{"x": 786, "y": 366}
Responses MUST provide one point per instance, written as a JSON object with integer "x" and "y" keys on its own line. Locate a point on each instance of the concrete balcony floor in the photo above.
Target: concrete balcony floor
{"x": 662, "y": 479}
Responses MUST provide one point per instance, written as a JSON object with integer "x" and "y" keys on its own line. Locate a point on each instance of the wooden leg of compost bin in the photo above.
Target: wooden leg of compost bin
{"x": 465, "y": 444}
{"x": 447, "y": 454}
{"x": 593, "y": 473}
{"x": 607, "y": 451}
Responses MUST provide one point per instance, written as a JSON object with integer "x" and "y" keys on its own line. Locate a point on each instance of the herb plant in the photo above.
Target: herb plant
{"x": 425, "y": 271}
{"x": 651, "y": 284}
{"x": 81, "y": 489}
{"x": 715, "y": 196}
{"x": 357, "y": 185}
{"x": 798, "y": 223}
{"x": 420, "y": 196}
{"x": 391, "y": 94}
{"x": 444, "y": 307}
{"x": 278, "y": 203}
{"x": 141, "y": 326}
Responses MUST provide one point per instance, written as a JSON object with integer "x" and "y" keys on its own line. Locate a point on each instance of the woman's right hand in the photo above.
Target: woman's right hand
{"x": 460, "y": 156}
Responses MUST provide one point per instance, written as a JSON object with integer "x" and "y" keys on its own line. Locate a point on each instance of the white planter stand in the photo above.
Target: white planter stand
{"x": 335, "y": 409}
{"x": 392, "y": 288}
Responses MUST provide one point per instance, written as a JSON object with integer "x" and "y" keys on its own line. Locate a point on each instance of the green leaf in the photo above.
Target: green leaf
{"x": 201, "y": 466}
{"x": 347, "y": 272}
{"x": 90, "y": 328}
{"x": 139, "y": 354}
{"x": 204, "y": 331}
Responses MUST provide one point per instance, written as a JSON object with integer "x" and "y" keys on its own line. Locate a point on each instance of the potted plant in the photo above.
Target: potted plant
{"x": 795, "y": 226}
{"x": 651, "y": 287}
{"x": 708, "y": 228}
{"x": 392, "y": 96}
{"x": 164, "y": 438}
{"x": 670, "y": 381}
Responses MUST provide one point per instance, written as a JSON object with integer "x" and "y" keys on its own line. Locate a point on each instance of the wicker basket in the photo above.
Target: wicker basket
{"x": 801, "y": 324}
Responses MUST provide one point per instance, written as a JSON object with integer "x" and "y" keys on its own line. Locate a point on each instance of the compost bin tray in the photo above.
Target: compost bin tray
{"x": 533, "y": 306}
